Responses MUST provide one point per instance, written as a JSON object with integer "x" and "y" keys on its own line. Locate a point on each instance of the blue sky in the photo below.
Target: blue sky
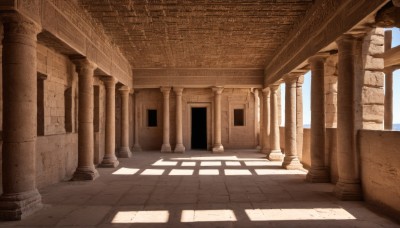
{"x": 307, "y": 90}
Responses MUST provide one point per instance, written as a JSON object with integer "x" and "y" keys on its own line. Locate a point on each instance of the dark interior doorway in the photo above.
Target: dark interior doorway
{"x": 199, "y": 128}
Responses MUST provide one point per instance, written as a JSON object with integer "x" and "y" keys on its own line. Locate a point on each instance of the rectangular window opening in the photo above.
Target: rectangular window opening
{"x": 40, "y": 104}
{"x": 152, "y": 118}
{"x": 238, "y": 117}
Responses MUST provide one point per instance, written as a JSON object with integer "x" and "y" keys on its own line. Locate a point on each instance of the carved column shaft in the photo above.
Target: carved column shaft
{"x": 218, "y": 148}
{"x": 20, "y": 196}
{"x": 299, "y": 115}
{"x": 266, "y": 148}
{"x": 348, "y": 186}
{"x": 166, "y": 146}
{"x": 124, "y": 151}
{"x": 291, "y": 160}
{"x": 136, "y": 146}
{"x": 179, "y": 148}
{"x": 388, "y": 119}
{"x": 256, "y": 118}
{"x": 110, "y": 160}
{"x": 86, "y": 169}
{"x": 318, "y": 171}
{"x": 275, "y": 154}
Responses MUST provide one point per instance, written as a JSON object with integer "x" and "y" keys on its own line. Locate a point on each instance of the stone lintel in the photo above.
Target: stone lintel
{"x": 320, "y": 28}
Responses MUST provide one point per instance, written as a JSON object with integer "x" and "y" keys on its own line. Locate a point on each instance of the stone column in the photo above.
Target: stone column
{"x": 275, "y": 153}
{"x": 85, "y": 169}
{"x": 136, "y": 146}
{"x": 20, "y": 196}
{"x": 388, "y": 119}
{"x": 256, "y": 118}
{"x": 217, "y": 148}
{"x": 318, "y": 172}
{"x": 261, "y": 136}
{"x": 166, "y": 147}
{"x": 348, "y": 186}
{"x": 291, "y": 160}
{"x": 299, "y": 115}
{"x": 124, "y": 151}
{"x": 179, "y": 148}
{"x": 109, "y": 159}
{"x": 266, "y": 148}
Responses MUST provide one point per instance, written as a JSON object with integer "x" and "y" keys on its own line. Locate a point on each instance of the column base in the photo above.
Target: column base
{"x": 275, "y": 155}
{"x": 218, "y": 149}
{"x": 318, "y": 175}
{"x": 258, "y": 148}
{"x": 124, "y": 152}
{"x": 18, "y": 206}
{"x": 179, "y": 148}
{"x": 265, "y": 151}
{"x": 137, "y": 148}
{"x": 85, "y": 174}
{"x": 291, "y": 163}
{"x": 109, "y": 162}
{"x": 348, "y": 191}
{"x": 166, "y": 148}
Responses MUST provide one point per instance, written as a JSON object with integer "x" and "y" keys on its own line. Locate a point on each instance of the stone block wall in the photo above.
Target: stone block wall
{"x": 380, "y": 171}
{"x": 56, "y": 146}
{"x": 370, "y": 81}
{"x": 233, "y": 137}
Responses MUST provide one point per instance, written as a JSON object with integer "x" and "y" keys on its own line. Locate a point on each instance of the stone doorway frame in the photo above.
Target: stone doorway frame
{"x": 209, "y": 113}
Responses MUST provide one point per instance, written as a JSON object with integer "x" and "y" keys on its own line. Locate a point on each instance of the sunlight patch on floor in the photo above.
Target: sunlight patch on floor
{"x": 207, "y": 216}
{"x": 205, "y": 172}
{"x": 161, "y": 162}
{"x": 233, "y": 172}
{"x": 181, "y": 172}
{"x": 125, "y": 171}
{"x": 153, "y": 172}
{"x": 298, "y": 214}
{"x": 262, "y": 172}
{"x": 141, "y": 217}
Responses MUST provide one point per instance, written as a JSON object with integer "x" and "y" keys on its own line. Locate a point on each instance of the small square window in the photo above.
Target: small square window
{"x": 238, "y": 117}
{"x": 152, "y": 118}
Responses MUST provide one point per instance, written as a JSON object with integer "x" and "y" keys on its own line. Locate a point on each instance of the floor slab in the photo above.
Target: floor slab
{"x": 198, "y": 189}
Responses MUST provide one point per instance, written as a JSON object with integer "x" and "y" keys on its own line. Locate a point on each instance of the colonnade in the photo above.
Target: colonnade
{"x": 348, "y": 186}
{"x": 179, "y": 147}
{"x": 20, "y": 196}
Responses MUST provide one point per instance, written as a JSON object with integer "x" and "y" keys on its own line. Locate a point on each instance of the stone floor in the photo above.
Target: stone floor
{"x": 198, "y": 189}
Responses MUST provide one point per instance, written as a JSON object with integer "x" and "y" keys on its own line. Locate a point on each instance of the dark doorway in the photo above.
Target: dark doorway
{"x": 199, "y": 128}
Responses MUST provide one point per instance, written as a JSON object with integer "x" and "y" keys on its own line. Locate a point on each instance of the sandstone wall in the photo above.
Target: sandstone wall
{"x": 233, "y": 137}
{"x": 380, "y": 171}
{"x": 57, "y": 150}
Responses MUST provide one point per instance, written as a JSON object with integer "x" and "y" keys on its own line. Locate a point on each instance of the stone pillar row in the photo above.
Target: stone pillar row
{"x": 180, "y": 148}
{"x": 275, "y": 153}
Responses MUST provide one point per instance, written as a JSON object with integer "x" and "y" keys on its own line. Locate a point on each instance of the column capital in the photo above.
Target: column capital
{"x": 124, "y": 90}
{"x": 300, "y": 80}
{"x": 255, "y": 91}
{"x": 178, "y": 90}
{"x": 109, "y": 81}
{"x": 17, "y": 24}
{"x": 83, "y": 64}
{"x": 217, "y": 89}
{"x": 319, "y": 57}
{"x": 266, "y": 91}
{"x": 291, "y": 78}
{"x": 274, "y": 87}
{"x": 348, "y": 39}
{"x": 165, "y": 90}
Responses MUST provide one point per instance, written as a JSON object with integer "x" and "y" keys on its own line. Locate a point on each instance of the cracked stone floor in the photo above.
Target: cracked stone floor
{"x": 198, "y": 189}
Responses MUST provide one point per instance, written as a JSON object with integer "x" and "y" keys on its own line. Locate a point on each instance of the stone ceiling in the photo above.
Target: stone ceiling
{"x": 197, "y": 33}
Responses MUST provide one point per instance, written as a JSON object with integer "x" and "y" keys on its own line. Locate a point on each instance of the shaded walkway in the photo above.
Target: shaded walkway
{"x": 198, "y": 189}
